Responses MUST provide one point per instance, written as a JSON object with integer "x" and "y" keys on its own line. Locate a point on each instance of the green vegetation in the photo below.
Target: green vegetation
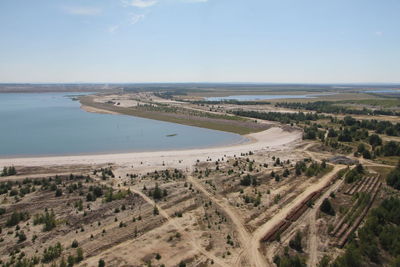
{"x": 326, "y": 207}
{"x": 393, "y": 178}
{"x": 315, "y": 168}
{"x": 105, "y": 173}
{"x": 289, "y": 261}
{"x": 380, "y": 127}
{"x": 230, "y": 102}
{"x": 378, "y": 240}
{"x": 111, "y": 195}
{"x": 94, "y": 193}
{"x": 248, "y": 180}
{"x": 157, "y": 193}
{"x": 208, "y": 120}
{"x": 8, "y": 171}
{"x": 48, "y": 219}
{"x": 280, "y": 117}
{"x": 354, "y": 174}
{"x": 51, "y": 253}
{"x": 386, "y": 103}
{"x": 335, "y": 108}
{"x": 295, "y": 242}
{"x": 16, "y": 217}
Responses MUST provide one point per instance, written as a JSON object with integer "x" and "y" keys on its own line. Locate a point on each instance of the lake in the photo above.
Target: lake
{"x": 396, "y": 91}
{"x": 54, "y": 124}
{"x": 262, "y": 97}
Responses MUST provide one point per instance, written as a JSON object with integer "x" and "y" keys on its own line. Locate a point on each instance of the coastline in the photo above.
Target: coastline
{"x": 243, "y": 140}
{"x": 272, "y": 139}
{"x": 276, "y": 137}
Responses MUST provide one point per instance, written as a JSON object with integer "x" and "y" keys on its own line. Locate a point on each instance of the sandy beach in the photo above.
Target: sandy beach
{"x": 269, "y": 140}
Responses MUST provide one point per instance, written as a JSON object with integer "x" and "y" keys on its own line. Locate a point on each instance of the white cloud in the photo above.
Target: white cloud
{"x": 135, "y": 18}
{"x": 113, "y": 28}
{"x": 379, "y": 33}
{"x": 85, "y": 11}
{"x": 139, "y": 3}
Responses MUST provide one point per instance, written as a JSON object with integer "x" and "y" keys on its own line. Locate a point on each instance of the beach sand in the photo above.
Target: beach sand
{"x": 272, "y": 139}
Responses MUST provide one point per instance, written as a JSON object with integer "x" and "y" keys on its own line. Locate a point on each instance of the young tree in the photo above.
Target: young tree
{"x": 157, "y": 192}
{"x": 374, "y": 140}
{"x": 393, "y": 178}
{"x": 327, "y": 208}
{"x": 79, "y": 255}
{"x": 295, "y": 242}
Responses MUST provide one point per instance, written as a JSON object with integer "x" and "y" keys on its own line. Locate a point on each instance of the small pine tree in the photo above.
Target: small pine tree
{"x": 74, "y": 244}
{"x": 327, "y": 208}
{"x": 155, "y": 210}
{"x": 79, "y": 255}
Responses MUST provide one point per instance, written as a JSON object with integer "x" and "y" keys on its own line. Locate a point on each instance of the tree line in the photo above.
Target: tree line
{"x": 280, "y": 117}
{"x": 332, "y": 107}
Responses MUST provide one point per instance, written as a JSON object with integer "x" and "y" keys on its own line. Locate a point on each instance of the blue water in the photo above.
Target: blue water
{"x": 54, "y": 124}
{"x": 261, "y": 97}
{"x": 384, "y": 91}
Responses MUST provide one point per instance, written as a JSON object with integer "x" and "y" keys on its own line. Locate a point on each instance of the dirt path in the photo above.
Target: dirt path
{"x": 313, "y": 239}
{"x": 179, "y": 228}
{"x": 262, "y": 230}
{"x": 244, "y": 235}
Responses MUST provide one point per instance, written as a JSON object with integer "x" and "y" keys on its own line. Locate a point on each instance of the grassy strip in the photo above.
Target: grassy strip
{"x": 162, "y": 116}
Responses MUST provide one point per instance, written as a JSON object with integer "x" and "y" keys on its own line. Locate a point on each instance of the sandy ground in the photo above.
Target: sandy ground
{"x": 261, "y": 231}
{"x": 96, "y": 110}
{"x": 272, "y": 139}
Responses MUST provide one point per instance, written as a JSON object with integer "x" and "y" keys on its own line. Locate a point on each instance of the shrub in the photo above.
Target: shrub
{"x": 327, "y": 208}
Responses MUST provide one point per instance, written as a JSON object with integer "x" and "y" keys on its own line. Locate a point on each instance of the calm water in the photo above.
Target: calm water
{"x": 262, "y": 97}
{"x": 53, "y": 124}
{"x": 384, "y": 91}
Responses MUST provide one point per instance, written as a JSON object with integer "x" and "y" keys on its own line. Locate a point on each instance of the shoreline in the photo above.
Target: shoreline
{"x": 272, "y": 139}
{"x": 244, "y": 140}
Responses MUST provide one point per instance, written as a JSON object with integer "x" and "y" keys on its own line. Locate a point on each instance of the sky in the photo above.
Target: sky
{"x": 272, "y": 41}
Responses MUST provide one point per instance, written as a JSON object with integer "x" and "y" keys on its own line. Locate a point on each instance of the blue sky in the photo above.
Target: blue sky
{"x": 289, "y": 41}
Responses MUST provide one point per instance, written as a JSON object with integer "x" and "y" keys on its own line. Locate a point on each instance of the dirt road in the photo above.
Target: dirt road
{"x": 244, "y": 235}
{"x": 179, "y": 228}
{"x": 312, "y": 239}
{"x": 265, "y": 228}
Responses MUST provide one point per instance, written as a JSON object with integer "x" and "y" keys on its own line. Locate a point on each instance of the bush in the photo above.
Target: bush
{"x": 295, "y": 243}
{"x": 354, "y": 174}
{"x": 74, "y": 244}
{"x": 393, "y": 178}
{"x": 21, "y": 236}
{"x": 375, "y": 140}
{"x": 327, "y": 208}
{"x": 48, "y": 219}
{"x": 52, "y": 253}
{"x": 17, "y": 217}
{"x": 58, "y": 192}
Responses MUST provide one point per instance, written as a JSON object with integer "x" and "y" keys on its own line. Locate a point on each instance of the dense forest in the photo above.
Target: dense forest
{"x": 231, "y": 102}
{"x": 350, "y": 130}
{"x": 380, "y": 127}
{"x": 280, "y": 117}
